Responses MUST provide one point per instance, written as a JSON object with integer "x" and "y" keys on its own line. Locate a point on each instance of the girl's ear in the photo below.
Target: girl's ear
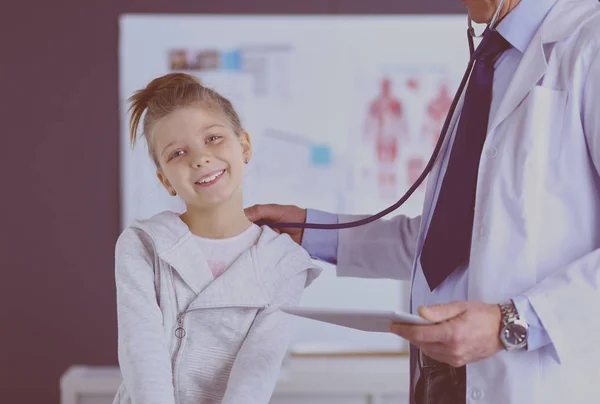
{"x": 246, "y": 145}
{"x": 165, "y": 182}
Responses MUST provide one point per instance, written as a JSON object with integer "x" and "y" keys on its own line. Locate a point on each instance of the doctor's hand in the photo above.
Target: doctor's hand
{"x": 468, "y": 332}
{"x": 279, "y": 213}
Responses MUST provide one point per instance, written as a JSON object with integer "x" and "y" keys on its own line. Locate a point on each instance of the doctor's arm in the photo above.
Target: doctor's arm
{"x": 567, "y": 303}
{"x": 143, "y": 350}
{"x": 537, "y": 335}
{"x": 384, "y": 248}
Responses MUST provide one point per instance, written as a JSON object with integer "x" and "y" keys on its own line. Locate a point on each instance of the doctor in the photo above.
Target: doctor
{"x": 507, "y": 249}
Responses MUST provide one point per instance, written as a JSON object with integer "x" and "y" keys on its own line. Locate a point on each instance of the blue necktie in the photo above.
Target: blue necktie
{"x": 448, "y": 241}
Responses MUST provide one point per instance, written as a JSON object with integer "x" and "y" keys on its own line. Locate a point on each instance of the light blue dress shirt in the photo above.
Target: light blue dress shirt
{"x": 518, "y": 28}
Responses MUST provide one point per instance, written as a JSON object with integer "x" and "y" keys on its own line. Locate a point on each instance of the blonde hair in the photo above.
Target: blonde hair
{"x": 167, "y": 93}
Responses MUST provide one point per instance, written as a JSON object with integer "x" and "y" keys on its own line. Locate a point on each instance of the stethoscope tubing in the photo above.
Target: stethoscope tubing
{"x": 470, "y": 35}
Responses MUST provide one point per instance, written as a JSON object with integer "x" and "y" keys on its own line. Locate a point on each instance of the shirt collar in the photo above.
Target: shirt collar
{"x": 521, "y": 24}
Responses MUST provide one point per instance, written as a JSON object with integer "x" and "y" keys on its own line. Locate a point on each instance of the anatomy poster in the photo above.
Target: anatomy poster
{"x": 342, "y": 111}
{"x": 401, "y": 114}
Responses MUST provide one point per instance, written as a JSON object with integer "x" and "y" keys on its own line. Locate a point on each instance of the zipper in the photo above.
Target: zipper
{"x": 179, "y": 334}
{"x": 180, "y": 331}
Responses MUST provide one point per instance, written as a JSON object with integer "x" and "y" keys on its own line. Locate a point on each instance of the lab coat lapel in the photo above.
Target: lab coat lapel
{"x": 531, "y": 69}
{"x": 562, "y": 19}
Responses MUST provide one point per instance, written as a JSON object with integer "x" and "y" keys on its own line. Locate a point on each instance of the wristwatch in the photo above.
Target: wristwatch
{"x": 513, "y": 330}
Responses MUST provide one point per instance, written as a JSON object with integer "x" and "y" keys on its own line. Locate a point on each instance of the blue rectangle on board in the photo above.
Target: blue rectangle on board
{"x": 320, "y": 155}
{"x": 231, "y": 60}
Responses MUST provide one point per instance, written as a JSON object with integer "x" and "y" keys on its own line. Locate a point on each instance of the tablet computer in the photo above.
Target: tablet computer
{"x": 365, "y": 320}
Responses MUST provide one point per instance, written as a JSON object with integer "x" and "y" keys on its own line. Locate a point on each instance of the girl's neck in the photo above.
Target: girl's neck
{"x": 222, "y": 221}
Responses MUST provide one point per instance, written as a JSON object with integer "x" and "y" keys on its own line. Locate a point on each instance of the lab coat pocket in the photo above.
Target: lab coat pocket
{"x": 544, "y": 111}
{"x": 531, "y": 138}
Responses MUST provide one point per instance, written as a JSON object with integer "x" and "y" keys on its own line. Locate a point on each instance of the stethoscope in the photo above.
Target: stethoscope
{"x": 470, "y": 35}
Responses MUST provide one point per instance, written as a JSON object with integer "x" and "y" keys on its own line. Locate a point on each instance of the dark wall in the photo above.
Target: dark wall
{"x": 60, "y": 190}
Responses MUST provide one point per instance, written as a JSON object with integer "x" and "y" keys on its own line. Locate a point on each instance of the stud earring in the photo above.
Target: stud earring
{"x": 246, "y": 160}
{"x": 173, "y": 192}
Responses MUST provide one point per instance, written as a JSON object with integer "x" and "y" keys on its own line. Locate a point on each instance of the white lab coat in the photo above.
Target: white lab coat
{"x": 537, "y": 218}
{"x": 233, "y": 335}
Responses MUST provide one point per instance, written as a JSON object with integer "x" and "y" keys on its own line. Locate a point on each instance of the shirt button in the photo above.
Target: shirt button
{"x": 476, "y": 394}
{"x": 492, "y": 152}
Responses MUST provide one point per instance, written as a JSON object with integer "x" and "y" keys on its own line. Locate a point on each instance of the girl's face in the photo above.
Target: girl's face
{"x": 200, "y": 156}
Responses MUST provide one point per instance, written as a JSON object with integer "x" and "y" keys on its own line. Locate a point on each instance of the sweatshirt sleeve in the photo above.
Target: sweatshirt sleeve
{"x": 143, "y": 349}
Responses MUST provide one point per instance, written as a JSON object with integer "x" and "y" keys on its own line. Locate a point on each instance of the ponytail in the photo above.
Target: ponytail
{"x": 165, "y": 94}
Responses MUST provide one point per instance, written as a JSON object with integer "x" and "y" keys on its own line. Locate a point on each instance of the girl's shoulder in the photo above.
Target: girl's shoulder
{"x": 163, "y": 230}
{"x": 279, "y": 258}
{"x": 273, "y": 247}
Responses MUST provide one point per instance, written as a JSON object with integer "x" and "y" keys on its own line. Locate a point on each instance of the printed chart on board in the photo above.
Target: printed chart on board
{"x": 343, "y": 113}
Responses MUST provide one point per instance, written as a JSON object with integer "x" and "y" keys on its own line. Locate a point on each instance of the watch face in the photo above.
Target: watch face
{"x": 515, "y": 334}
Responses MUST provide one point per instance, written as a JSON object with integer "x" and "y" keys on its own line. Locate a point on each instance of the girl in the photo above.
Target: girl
{"x": 198, "y": 294}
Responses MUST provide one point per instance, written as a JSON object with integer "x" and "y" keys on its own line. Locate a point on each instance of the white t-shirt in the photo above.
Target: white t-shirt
{"x": 221, "y": 253}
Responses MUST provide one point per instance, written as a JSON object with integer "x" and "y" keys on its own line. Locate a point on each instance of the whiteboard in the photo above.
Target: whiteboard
{"x": 343, "y": 113}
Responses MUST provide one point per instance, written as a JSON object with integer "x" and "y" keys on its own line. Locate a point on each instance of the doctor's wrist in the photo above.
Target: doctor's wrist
{"x": 514, "y": 330}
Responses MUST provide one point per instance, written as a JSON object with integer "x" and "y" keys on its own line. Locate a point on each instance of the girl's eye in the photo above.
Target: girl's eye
{"x": 175, "y": 154}
{"x": 212, "y": 138}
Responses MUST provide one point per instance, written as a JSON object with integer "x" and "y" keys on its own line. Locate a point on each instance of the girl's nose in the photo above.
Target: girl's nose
{"x": 200, "y": 160}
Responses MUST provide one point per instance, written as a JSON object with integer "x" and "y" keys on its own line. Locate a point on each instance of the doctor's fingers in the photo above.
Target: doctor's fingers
{"x": 265, "y": 214}
{"x": 444, "y": 333}
{"x": 259, "y": 212}
{"x": 275, "y": 213}
{"x": 440, "y": 353}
